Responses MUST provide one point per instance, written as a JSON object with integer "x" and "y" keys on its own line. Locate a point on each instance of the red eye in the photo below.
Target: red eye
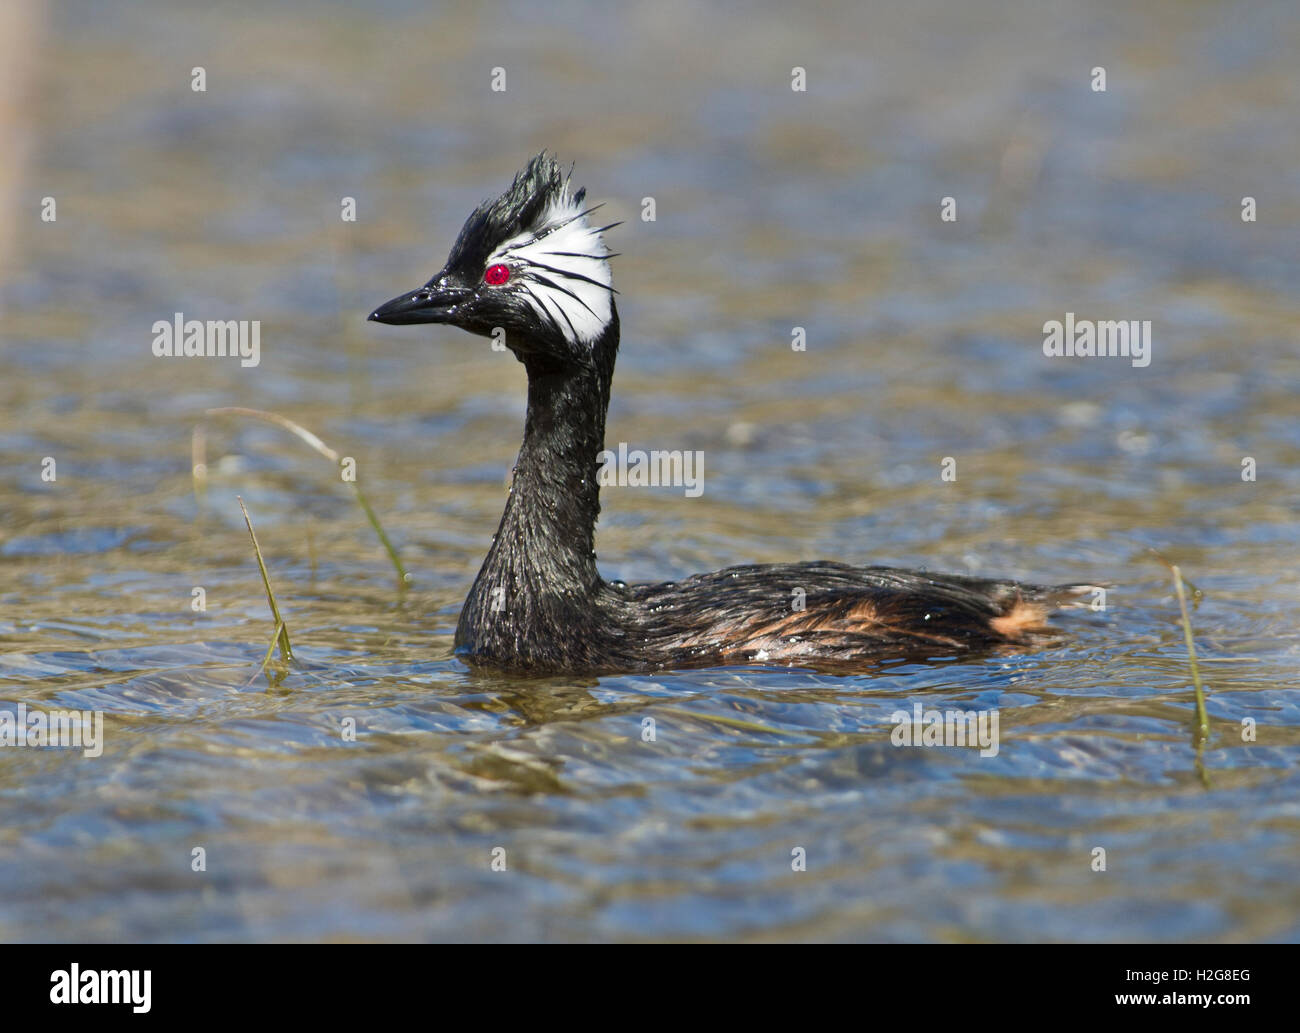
{"x": 496, "y": 275}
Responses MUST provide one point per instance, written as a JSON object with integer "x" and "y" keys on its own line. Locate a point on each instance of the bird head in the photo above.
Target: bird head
{"x": 528, "y": 265}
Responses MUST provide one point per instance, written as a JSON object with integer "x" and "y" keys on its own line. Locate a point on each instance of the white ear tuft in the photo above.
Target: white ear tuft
{"x": 562, "y": 265}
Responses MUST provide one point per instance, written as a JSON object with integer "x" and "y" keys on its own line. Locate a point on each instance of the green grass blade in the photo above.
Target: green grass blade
{"x": 282, "y": 630}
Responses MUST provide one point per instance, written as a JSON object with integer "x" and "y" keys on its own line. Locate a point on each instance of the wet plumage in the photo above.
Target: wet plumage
{"x": 530, "y": 266}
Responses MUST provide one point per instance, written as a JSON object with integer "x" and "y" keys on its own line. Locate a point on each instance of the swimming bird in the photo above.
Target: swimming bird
{"x": 531, "y": 269}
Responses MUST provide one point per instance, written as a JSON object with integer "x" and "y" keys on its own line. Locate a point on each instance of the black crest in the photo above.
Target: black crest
{"x": 536, "y": 187}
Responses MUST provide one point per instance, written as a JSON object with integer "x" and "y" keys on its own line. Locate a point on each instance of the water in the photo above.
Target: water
{"x": 775, "y": 209}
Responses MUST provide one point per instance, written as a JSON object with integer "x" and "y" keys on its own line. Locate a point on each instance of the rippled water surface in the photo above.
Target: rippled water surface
{"x": 775, "y": 209}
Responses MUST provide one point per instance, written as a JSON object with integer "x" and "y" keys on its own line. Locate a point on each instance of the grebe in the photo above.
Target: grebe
{"x": 531, "y": 265}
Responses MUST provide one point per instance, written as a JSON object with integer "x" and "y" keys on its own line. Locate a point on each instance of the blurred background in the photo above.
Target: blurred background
{"x": 774, "y": 209}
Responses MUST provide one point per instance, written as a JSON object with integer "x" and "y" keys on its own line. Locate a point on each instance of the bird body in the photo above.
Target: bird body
{"x": 530, "y": 268}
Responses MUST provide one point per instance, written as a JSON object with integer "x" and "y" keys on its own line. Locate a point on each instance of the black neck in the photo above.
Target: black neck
{"x": 543, "y": 554}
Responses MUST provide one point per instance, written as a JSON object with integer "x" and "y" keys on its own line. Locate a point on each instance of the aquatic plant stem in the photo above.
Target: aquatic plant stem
{"x": 1202, "y": 717}
{"x": 281, "y": 630}
{"x": 1201, "y": 727}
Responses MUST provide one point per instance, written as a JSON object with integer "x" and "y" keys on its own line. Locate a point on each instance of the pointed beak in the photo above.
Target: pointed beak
{"x": 428, "y": 304}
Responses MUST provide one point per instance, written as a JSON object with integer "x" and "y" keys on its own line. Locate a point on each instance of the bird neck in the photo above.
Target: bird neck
{"x": 544, "y": 548}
